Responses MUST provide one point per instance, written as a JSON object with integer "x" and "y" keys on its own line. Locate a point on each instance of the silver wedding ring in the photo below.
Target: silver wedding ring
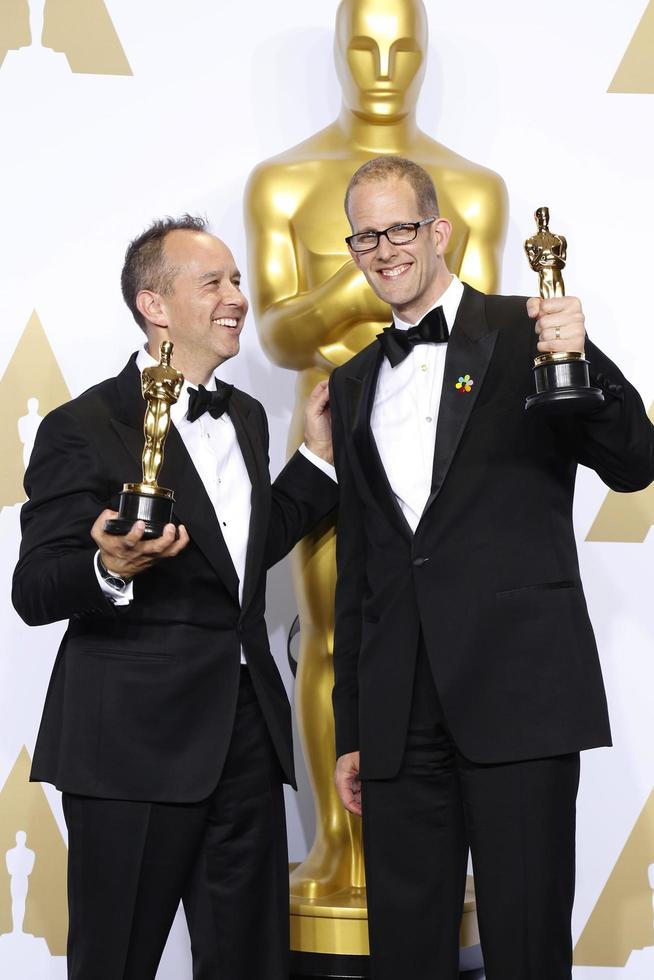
{"x": 557, "y": 333}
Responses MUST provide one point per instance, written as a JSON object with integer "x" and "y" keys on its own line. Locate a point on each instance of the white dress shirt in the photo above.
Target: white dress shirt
{"x": 405, "y": 413}
{"x": 216, "y": 454}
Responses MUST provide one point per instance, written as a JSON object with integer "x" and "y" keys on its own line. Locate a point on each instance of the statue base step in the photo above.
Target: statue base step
{"x": 329, "y": 936}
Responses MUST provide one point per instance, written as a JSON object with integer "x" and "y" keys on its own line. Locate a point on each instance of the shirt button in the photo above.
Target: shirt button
{"x": 423, "y": 367}
{"x": 428, "y": 418}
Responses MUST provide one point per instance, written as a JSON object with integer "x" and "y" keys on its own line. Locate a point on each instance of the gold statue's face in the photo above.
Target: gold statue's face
{"x": 410, "y": 277}
{"x": 205, "y": 309}
{"x": 380, "y": 55}
{"x": 542, "y": 217}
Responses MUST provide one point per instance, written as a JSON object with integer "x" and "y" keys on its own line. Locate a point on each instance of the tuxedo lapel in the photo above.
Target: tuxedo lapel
{"x": 469, "y": 351}
{"x": 256, "y": 463}
{"x": 193, "y": 507}
{"x": 361, "y": 397}
{"x": 353, "y": 392}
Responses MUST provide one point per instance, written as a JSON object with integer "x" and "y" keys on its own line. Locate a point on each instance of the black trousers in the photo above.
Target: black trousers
{"x": 130, "y": 863}
{"x": 517, "y": 819}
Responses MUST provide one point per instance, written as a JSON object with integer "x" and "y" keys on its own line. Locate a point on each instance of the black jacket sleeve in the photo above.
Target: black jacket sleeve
{"x": 302, "y": 495}
{"x": 616, "y": 439}
{"x": 54, "y": 578}
{"x": 350, "y": 590}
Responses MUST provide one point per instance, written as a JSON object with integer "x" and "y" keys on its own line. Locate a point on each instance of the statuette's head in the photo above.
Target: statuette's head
{"x": 542, "y": 216}
{"x": 380, "y": 51}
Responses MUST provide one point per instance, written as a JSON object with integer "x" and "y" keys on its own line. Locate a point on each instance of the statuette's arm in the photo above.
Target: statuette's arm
{"x": 293, "y": 328}
{"x": 481, "y": 263}
{"x": 294, "y": 323}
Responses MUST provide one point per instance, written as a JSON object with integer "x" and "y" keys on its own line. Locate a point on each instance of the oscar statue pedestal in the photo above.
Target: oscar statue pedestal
{"x": 329, "y": 936}
{"x": 562, "y": 384}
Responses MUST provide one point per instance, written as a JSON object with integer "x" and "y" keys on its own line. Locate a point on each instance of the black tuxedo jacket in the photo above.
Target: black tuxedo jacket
{"x": 490, "y": 576}
{"x": 142, "y": 697}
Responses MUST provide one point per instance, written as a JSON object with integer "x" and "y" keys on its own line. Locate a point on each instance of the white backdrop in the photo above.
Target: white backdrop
{"x": 89, "y": 159}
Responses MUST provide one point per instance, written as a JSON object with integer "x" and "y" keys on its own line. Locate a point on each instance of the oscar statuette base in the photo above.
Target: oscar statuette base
{"x": 142, "y": 502}
{"x": 563, "y": 385}
{"x": 329, "y": 936}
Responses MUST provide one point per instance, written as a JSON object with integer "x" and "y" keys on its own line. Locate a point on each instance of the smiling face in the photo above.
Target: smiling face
{"x": 203, "y": 311}
{"x": 380, "y": 50}
{"x": 408, "y": 277}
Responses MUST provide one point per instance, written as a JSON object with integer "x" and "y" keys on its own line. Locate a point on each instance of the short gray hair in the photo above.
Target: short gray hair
{"x": 145, "y": 264}
{"x": 387, "y": 167}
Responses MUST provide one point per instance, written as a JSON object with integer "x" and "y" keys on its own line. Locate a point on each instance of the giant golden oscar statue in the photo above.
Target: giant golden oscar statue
{"x": 314, "y": 310}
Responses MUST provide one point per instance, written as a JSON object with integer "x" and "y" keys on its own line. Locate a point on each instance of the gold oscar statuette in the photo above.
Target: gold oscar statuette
{"x": 314, "y": 310}
{"x": 147, "y": 501}
{"x": 561, "y": 378}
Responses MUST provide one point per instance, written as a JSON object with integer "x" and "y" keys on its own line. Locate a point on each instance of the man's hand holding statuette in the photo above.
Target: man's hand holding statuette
{"x": 559, "y": 323}
{"x": 129, "y": 555}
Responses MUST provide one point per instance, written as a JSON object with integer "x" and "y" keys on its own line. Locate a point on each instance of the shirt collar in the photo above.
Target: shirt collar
{"x": 180, "y": 408}
{"x": 449, "y": 300}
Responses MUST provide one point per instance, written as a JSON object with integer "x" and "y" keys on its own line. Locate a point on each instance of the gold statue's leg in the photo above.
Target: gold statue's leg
{"x": 335, "y": 861}
{"x": 547, "y": 286}
{"x": 155, "y": 427}
{"x": 147, "y": 462}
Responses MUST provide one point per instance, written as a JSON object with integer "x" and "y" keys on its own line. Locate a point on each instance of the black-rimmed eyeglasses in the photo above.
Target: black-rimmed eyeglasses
{"x": 365, "y": 241}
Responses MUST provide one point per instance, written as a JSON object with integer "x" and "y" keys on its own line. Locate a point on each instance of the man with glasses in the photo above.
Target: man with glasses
{"x": 466, "y": 672}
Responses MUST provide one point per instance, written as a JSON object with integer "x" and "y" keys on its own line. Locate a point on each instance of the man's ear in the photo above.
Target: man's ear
{"x": 150, "y": 306}
{"x": 442, "y": 231}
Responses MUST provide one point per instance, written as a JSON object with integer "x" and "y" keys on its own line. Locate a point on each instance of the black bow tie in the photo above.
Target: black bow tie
{"x": 214, "y": 402}
{"x": 397, "y": 344}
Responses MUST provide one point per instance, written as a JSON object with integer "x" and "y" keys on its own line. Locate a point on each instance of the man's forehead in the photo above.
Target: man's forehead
{"x": 377, "y": 204}
{"x": 186, "y": 247}
{"x": 381, "y": 193}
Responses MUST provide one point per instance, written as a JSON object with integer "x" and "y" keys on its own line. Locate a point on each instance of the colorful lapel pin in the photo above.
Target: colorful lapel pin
{"x": 465, "y": 383}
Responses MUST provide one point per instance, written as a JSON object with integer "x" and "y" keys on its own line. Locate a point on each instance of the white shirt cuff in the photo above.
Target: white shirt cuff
{"x": 326, "y": 467}
{"x": 119, "y": 597}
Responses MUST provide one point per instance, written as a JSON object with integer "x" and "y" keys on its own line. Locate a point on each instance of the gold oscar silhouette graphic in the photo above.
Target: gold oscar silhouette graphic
{"x": 620, "y": 930}
{"x": 15, "y": 30}
{"x": 31, "y": 386}
{"x": 81, "y": 30}
{"x": 33, "y": 919}
{"x": 314, "y": 310}
{"x": 635, "y": 72}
